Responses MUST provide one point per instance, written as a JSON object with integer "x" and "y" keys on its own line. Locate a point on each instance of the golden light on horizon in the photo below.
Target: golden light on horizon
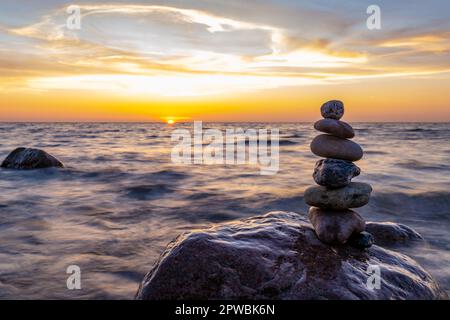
{"x": 230, "y": 66}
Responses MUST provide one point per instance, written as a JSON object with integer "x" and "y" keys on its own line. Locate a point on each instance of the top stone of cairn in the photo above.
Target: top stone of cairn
{"x": 333, "y": 109}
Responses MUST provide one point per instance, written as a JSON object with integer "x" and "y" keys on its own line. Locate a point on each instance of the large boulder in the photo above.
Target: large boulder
{"x": 28, "y": 158}
{"x": 278, "y": 256}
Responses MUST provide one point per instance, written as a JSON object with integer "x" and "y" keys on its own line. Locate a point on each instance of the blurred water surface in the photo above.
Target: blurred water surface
{"x": 120, "y": 200}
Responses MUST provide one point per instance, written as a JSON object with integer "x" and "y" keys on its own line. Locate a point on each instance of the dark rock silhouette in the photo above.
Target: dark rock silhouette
{"x": 28, "y": 158}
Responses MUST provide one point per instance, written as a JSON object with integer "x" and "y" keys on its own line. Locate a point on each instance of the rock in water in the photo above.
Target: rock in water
{"x": 328, "y": 146}
{"x": 335, "y": 227}
{"x": 361, "y": 240}
{"x": 333, "y": 109}
{"x": 278, "y": 256}
{"x": 393, "y": 234}
{"x": 334, "y": 173}
{"x": 336, "y": 128}
{"x": 27, "y": 158}
{"x": 355, "y": 195}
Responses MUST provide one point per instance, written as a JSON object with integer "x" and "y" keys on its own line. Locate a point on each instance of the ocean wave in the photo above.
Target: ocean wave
{"x": 146, "y": 192}
{"x": 422, "y": 205}
{"x": 285, "y": 142}
{"x": 375, "y": 152}
{"x": 117, "y": 198}
{"x": 420, "y": 165}
{"x": 166, "y": 175}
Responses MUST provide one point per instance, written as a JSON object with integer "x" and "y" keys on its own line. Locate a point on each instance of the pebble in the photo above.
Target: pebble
{"x": 336, "y": 128}
{"x": 328, "y": 146}
{"x": 355, "y": 195}
{"x": 363, "y": 240}
{"x": 334, "y": 173}
{"x": 333, "y": 109}
{"x": 335, "y": 227}
{"x": 29, "y": 158}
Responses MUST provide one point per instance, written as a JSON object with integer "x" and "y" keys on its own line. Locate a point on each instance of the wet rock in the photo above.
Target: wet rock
{"x": 328, "y": 146}
{"x": 361, "y": 240}
{"x": 278, "y": 256}
{"x": 334, "y": 173}
{"x": 333, "y": 109}
{"x": 393, "y": 234}
{"x": 355, "y": 195}
{"x": 335, "y": 227}
{"x": 336, "y": 128}
{"x": 28, "y": 158}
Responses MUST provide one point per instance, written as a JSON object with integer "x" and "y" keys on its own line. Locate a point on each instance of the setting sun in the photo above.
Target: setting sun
{"x": 170, "y": 121}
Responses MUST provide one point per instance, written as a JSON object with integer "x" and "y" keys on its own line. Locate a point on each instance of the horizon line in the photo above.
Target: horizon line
{"x": 183, "y": 122}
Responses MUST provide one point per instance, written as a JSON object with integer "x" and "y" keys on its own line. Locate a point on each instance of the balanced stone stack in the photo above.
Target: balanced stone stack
{"x": 332, "y": 200}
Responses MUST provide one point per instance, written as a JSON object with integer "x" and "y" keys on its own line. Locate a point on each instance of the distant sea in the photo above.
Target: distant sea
{"x": 120, "y": 200}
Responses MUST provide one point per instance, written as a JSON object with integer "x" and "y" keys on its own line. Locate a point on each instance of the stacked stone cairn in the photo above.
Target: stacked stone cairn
{"x": 331, "y": 201}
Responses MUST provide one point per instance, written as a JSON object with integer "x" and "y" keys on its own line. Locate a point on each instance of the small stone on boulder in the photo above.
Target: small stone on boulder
{"x": 328, "y": 146}
{"x": 334, "y": 173}
{"x": 333, "y": 109}
{"x": 28, "y": 158}
{"x": 361, "y": 240}
{"x": 336, "y": 128}
{"x": 355, "y": 195}
{"x": 393, "y": 234}
{"x": 335, "y": 227}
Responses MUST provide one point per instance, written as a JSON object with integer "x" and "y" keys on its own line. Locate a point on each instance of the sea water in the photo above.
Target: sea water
{"x": 120, "y": 200}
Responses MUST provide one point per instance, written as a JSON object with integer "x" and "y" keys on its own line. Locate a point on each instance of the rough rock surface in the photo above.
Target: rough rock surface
{"x": 334, "y": 173}
{"x": 392, "y": 234}
{"x": 328, "y": 146}
{"x": 27, "y": 158}
{"x": 333, "y": 109}
{"x": 355, "y": 195}
{"x": 278, "y": 256}
{"x": 336, "y": 128}
{"x": 334, "y": 227}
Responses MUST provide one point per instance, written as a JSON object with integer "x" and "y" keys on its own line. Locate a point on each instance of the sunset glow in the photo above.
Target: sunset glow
{"x": 277, "y": 61}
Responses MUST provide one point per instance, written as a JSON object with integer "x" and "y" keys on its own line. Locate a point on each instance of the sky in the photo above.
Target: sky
{"x": 223, "y": 60}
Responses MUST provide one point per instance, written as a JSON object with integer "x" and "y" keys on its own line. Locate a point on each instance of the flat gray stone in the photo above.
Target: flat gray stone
{"x": 355, "y": 195}
{"x": 334, "y": 173}
{"x": 335, "y": 227}
{"x": 328, "y": 146}
{"x": 333, "y": 109}
{"x": 336, "y": 128}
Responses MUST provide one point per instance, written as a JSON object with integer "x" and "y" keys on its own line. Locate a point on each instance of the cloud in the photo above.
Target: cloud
{"x": 432, "y": 42}
{"x": 122, "y": 44}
